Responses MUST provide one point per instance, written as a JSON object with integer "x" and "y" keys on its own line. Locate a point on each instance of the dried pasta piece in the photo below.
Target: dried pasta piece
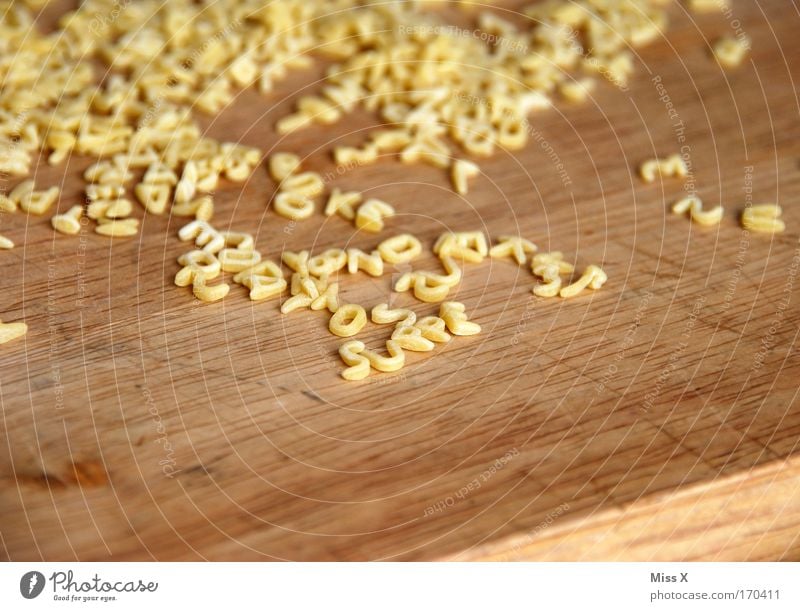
{"x": 38, "y": 202}
{"x": 329, "y": 262}
{"x": 350, "y": 155}
{"x": 7, "y": 204}
{"x": 264, "y": 280}
{"x": 117, "y": 228}
{"x": 104, "y": 191}
{"x": 707, "y": 6}
{"x": 549, "y": 266}
{"x": 461, "y": 171}
{"x": 393, "y": 362}
{"x": 296, "y": 261}
{"x": 434, "y": 329}
{"x": 428, "y": 286}
{"x": 283, "y": 165}
{"x": 358, "y": 366}
{"x": 153, "y": 196}
{"x": 12, "y": 330}
{"x": 203, "y": 234}
{"x": 197, "y": 262}
{"x": 6, "y": 243}
{"x": 730, "y": 52}
{"x": 187, "y": 185}
{"x": 200, "y": 208}
{"x": 237, "y": 259}
{"x": 400, "y": 248}
{"x": 370, "y": 215}
{"x": 469, "y": 246}
{"x": 329, "y": 298}
{"x": 296, "y": 302}
{"x": 23, "y": 189}
{"x": 454, "y": 316}
{"x": 359, "y": 260}
{"x": 348, "y": 320}
{"x": 309, "y": 184}
{"x": 159, "y": 173}
{"x": 763, "y": 218}
{"x": 69, "y": 222}
{"x": 513, "y": 246}
{"x": 409, "y": 337}
{"x": 293, "y": 205}
{"x": 694, "y": 206}
{"x": 592, "y": 277}
{"x": 343, "y": 203}
{"x": 382, "y": 315}
{"x": 672, "y": 166}
{"x": 112, "y": 209}
{"x": 204, "y": 292}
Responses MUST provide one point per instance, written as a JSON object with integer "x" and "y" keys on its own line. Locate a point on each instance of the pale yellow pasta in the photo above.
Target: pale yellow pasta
{"x": 187, "y": 185}
{"x": 38, "y": 202}
{"x": 117, "y": 228}
{"x": 393, "y": 362}
{"x": 159, "y": 173}
{"x": 329, "y": 298}
{"x": 264, "y": 280}
{"x": 309, "y": 184}
{"x": 409, "y": 337}
{"x": 593, "y": 277}
{"x": 348, "y": 320}
{"x": 69, "y": 222}
{"x": 576, "y": 91}
{"x": 461, "y": 171}
{"x": 730, "y": 51}
{"x": 203, "y": 234}
{"x": 296, "y": 261}
{"x": 391, "y": 139}
{"x": 23, "y": 189}
{"x": 401, "y": 248}
{"x": 359, "y": 260}
{"x": 672, "y": 166}
{"x": 371, "y": 214}
{"x": 694, "y": 206}
{"x": 382, "y": 315}
{"x": 293, "y": 205}
{"x": 112, "y": 209}
{"x": 706, "y": 6}
{"x": 283, "y": 165}
{"x": 197, "y": 262}
{"x": 343, "y": 203}
{"x": 434, "y": 329}
{"x": 763, "y": 218}
{"x": 104, "y": 191}
{"x": 154, "y": 197}
{"x": 296, "y": 302}
{"x": 513, "y": 246}
{"x": 469, "y": 246}
{"x": 12, "y": 330}
{"x": 7, "y": 204}
{"x": 549, "y": 266}
{"x": 6, "y": 243}
{"x": 329, "y": 262}
{"x": 200, "y": 208}
{"x": 208, "y": 293}
{"x": 237, "y": 259}
{"x": 454, "y": 316}
{"x": 292, "y": 122}
{"x": 424, "y": 289}
{"x": 349, "y": 155}
{"x": 307, "y": 285}
{"x": 358, "y": 365}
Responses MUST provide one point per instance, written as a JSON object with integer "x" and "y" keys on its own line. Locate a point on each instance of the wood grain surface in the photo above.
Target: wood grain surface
{"x": 656, "y": 418}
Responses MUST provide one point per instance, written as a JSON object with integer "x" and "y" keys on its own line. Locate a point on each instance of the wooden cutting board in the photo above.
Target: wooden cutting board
{"x": 656, "y": 418}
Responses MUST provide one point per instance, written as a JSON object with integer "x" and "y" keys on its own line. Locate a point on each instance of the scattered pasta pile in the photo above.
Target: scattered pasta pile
{"x": 442, "y": 92}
